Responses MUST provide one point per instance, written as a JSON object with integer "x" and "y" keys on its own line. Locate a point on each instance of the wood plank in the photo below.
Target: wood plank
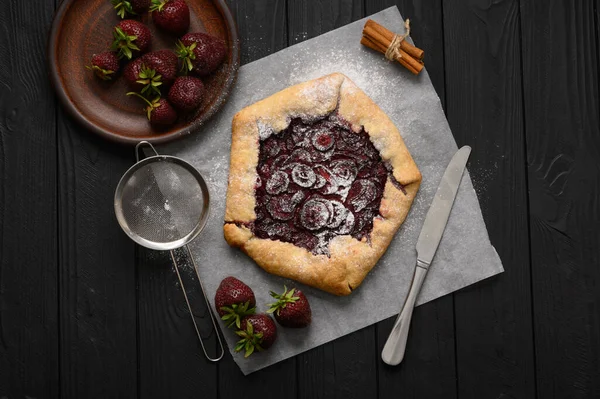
{"x": 171, "y": 362}
{"x": 484, "y": 104}
{"x": 307, "y": 19}
{"x": 28, "y": 198}
{"x": 430, "y": 352}
{"x": 98, "y": 356}
{"x": 346, "y": 367}
{"x": 562, "y": 105}
{"x": 261, "y": 25}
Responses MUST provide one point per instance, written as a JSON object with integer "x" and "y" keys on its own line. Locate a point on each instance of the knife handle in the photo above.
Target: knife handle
{"x": 393, "y": 350}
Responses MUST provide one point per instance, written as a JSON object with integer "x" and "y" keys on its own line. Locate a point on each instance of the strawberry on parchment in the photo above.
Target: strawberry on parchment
{"x": 234, "y": 300}
{"x": 258, "y": 333}
{"x": 291, "y": 308}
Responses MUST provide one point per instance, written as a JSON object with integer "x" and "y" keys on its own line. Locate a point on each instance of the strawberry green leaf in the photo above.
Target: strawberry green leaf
{"x": 236, "y": 312}
{"x": 123, "y": 44}
{"x": 126, "y": 51}
{"x": 187, "y": 55}
{"x": 282, "y": 300}
{"x": 158, "y": 5}
{"x": 151, "y": 81}
{"x": 123, "y": 8}
{"x": 103, "y": 74}
{"x": 239, "y": 346}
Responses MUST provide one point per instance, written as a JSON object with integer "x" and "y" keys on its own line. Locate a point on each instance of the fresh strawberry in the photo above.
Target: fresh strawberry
{"x": 151, "y": 70}
{"x": 150, "y": 81}
{"x": 131, "y": 38}
{"x": 160, "y": 112}
{"x": 234, "y": 300}
{"x": 131, "y": 73}
{"x": 172, "y": 16}
{"x": 165, "y": 62}
{"x": 105, "y": 65}
{"x": 142, "y": 78}
{"x": 201, "y": 53}
{"x": 186, "y": 93}
{"x": 127, "y": 8}
{"x": 291, "y": 308}
{"x": 259, "y": 333}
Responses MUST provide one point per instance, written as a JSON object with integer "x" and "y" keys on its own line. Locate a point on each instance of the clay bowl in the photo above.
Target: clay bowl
{"x": 82, "y": 28}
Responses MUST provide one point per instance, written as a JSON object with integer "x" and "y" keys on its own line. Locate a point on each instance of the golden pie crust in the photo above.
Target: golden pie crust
{"x": 349, "y": 260}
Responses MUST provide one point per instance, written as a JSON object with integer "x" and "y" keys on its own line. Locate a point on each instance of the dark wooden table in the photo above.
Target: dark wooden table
{"x": 86, "y": 314}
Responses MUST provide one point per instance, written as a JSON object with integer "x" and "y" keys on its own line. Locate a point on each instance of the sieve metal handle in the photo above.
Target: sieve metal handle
{"x": 212, "y": 318}
{"x": 139, "y": 145}
{"x": 138, "y": 148}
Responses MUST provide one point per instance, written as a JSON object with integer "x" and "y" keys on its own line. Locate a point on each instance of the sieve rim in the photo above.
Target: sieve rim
{"x": 165, "y": 246}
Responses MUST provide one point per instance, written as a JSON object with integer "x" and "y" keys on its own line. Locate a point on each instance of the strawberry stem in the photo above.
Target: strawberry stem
{"x": 151, "y": 105}
{"x": 133, "y": 93}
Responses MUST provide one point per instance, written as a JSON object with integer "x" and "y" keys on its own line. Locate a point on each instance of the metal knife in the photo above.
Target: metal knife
{"x": 427, "y": 244}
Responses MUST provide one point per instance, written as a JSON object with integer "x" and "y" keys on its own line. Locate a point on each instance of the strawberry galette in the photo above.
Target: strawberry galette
{"x": 319, "y": 182}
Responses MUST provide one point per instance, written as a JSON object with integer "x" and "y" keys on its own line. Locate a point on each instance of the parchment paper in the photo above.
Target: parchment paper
{"x": 465, "y": 254}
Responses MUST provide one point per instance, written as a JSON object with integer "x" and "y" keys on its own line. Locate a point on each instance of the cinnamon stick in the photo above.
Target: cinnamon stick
{"x": 410, "y": 60}
{"x": 374, "y": 34}
{"x": 402, "y": 60}
{"x": 412, "y": 50}
{"x": 389, "y": 35}
{"x": 381, "y": 39}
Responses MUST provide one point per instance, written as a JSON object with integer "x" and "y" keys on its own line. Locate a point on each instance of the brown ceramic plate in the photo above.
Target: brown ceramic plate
{"x": 82, "y": 28}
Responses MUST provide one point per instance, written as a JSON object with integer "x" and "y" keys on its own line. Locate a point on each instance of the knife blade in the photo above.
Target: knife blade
{"x": 439, "y": 211}
{"x": 427, "y": 244}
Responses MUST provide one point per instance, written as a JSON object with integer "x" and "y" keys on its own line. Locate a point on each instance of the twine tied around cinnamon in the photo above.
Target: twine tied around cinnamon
{"x": 394, "y": 47}
{"x": 393, "y": 51}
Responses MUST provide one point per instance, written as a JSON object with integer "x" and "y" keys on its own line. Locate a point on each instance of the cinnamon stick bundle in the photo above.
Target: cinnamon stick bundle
{"x": 394, "y": 47}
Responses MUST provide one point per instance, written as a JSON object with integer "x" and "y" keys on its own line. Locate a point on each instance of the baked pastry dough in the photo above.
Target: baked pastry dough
{"x": 319, "y": 182}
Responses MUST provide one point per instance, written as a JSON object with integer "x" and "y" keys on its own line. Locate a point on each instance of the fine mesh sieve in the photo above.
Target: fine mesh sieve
{"x": 162, "y": 202}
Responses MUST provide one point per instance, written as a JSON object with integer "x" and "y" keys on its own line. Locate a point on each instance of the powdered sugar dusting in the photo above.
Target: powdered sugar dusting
{"x": 312, "y": 193}
{"x": 372, "y": 78}
{"x": 264, "y": 130}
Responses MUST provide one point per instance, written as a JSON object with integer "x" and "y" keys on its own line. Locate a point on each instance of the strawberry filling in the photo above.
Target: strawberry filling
{"x": 317, "y": 180}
